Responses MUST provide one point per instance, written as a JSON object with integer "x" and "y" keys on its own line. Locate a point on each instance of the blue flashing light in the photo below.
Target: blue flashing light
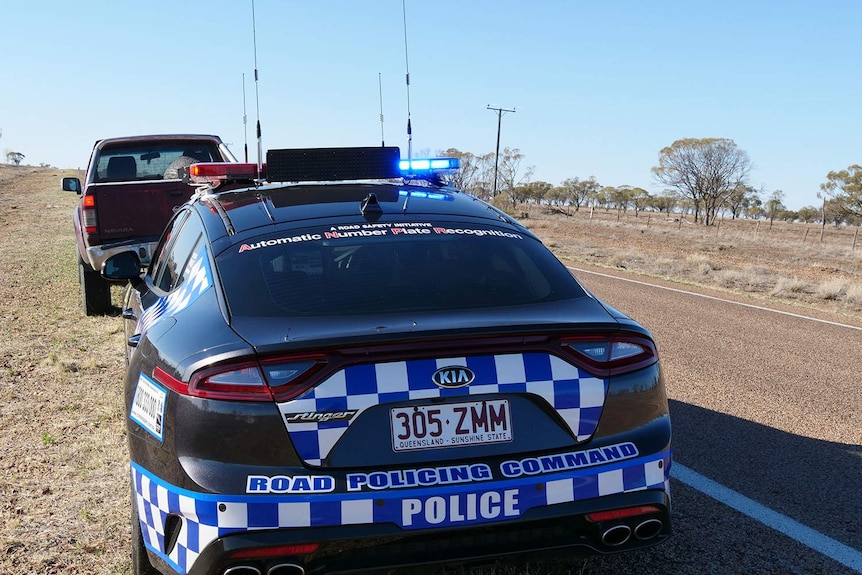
{"x": 429, "y": 166}
{"x": 428, "y": 195}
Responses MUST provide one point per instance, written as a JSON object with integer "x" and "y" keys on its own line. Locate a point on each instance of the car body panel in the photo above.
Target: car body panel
{"x": 545, "y": 436}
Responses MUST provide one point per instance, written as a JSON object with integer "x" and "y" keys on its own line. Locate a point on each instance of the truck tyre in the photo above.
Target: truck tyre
{"x": 95, "y": 291}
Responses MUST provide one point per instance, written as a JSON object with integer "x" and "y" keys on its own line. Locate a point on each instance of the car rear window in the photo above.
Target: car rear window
{"x": 155, "y": 161}
{"x": 378, "y": 268}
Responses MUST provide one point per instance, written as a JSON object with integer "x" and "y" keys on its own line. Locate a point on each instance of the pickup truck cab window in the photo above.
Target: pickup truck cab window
{"x": 133, "y": 163}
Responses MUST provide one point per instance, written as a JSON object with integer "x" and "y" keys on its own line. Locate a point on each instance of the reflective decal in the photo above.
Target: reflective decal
{"x": 290, "y": 484}
{"x": 478, "y": 233}
{"x": 207, "y": 516}
{"x": 575, "y": 395}
{"x": 425, "y": 477}
{"x": 567, "y": 461}
{"x": 459, "y": 508}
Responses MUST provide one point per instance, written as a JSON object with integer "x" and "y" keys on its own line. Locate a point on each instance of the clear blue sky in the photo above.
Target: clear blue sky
{"x": 600, "y": 87}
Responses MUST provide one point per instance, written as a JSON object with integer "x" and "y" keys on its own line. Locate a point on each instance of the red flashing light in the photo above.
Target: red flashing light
{"x": 600, "y": 516}
{"x": 276, "y": 551}
{"x": 215, "y": 172}
{"x": 89, "y": 201}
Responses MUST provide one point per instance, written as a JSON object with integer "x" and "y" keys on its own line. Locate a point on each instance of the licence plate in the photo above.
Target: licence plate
{"x": 450, "y": 425}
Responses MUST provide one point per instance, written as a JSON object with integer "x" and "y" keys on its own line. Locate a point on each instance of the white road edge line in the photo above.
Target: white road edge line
{"x": 817, "y": 541}
{"x": 796, "y": 315}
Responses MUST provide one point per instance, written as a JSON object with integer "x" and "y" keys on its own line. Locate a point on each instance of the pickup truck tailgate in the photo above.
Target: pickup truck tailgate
{"x": 136, "y": 209}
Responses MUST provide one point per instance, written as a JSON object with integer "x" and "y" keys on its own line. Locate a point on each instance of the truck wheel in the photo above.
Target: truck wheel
{"x": 95, "y": 291}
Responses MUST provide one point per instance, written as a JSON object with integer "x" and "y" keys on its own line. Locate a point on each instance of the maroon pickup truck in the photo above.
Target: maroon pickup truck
{"x": 131, "y": 190}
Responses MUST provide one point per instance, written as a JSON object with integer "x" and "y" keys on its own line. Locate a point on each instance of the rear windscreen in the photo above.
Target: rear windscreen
{"x": 378, "y": 268}
{"x": 154, "y": 161}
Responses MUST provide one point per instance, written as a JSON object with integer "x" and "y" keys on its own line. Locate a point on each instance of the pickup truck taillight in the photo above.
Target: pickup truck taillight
{"x": 89, "y": 214}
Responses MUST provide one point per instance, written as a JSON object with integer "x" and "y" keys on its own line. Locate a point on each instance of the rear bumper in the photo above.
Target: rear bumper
{"x": 539, "y": 515}
{"x": 97, "y": 255}
{"x": 550, "y": 533}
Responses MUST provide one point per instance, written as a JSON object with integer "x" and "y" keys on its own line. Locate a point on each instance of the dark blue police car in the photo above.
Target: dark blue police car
{"x": 364, "y": 369}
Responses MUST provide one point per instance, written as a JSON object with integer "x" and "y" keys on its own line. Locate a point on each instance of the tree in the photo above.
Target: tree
{"x": 509, "y": 174}
{"x": 845, "y": 188}
{"x": 774, "y": 205}
{"x": 557, "y": 196}
{"x": 754, "y": 208}
{"x": 620, "y": 198}
{"x": 639, "y": 199}
{"x": 14, "y": 158}
{"x": 664, "y": 202}
{"x": 808, "y": 214}
{"x": 579, "y": 191}
{"x": 707, "y": 170}
{"x": 474, "y": 175}
{"x": 537, "y": 191}
{"x": 740, "y": 198}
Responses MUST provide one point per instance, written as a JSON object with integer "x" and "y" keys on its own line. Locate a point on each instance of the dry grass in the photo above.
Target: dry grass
{"x": 64, "y": 495}
{"x": 64, "y": 483}
{"x": 786, "y": 263}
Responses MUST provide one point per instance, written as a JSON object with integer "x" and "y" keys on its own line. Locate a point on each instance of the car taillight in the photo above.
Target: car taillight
{"x": 290, "y": 377}
{"x": 612, "y": 355}
{"x": 89, "y": 214}
{"x": 236, "y": 381}
{"x": 275, "y": 378}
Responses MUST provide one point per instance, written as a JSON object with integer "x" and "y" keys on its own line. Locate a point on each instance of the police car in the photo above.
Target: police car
{"x": 349, "y": 366}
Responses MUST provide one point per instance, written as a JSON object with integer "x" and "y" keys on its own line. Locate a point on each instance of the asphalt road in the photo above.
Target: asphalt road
{"x": 767, "y": 415}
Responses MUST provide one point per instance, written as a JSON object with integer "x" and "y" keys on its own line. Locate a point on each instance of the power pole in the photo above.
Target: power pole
{"x": 500, "y": 112}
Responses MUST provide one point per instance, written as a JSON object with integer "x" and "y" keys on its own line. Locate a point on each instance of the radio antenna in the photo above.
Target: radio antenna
{"x": 380, "y": 84}
{"x": 244, "y": 120}
{"x": 256, "y": 93}
{"x": 407, "y": 66}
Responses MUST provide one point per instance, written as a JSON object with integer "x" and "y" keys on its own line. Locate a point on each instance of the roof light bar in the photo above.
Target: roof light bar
{"x": 217, "y": 172}
{"x": 427, "y": 166}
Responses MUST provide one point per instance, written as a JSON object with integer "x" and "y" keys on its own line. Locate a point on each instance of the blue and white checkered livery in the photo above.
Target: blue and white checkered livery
{"x": 577, "y": 396}
{"x": 206, "y": 517}
{"x": 198, "y": 278}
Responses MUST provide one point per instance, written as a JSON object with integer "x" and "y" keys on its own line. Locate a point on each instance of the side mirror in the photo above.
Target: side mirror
{"x": 72, "y": 185}
{"x": 122, "y": 267}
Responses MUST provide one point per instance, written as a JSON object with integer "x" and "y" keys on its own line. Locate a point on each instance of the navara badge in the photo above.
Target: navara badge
{"x": 453, "y": 376}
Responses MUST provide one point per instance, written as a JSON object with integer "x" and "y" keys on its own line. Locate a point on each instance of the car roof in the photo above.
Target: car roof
{"x": 156, "y": 138}
{"x": 256, "y": 210}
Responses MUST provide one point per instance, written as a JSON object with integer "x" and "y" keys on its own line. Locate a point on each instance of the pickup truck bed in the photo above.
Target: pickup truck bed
{"x": 129, "y": 193}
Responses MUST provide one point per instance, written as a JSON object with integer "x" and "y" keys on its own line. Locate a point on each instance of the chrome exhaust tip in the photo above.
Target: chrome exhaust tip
{"x": 286, "y": 569}
{"x": 616, "y": 535}
{"x": 648, "y": 529}
{"x": 242, "y": 570}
